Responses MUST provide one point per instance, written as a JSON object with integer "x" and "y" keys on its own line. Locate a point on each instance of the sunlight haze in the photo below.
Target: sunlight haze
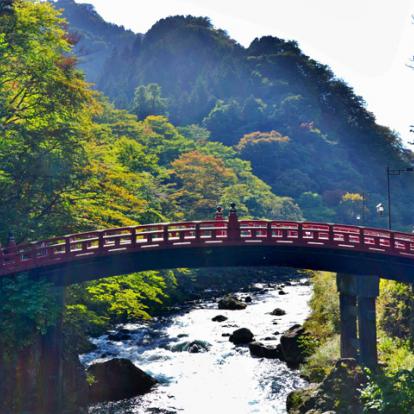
{"x": 369, "y": 44}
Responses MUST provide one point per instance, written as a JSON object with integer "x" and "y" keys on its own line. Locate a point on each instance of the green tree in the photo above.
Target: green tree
{"x": 313, "y": 207}
{"x": 45, "y": 113}
{"x": 149, "y": 101}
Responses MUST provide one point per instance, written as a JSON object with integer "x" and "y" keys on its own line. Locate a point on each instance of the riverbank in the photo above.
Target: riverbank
{"x": 226, "y": 378}
{"x": 340, "y": 384}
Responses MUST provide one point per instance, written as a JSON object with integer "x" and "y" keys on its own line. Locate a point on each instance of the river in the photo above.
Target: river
{"x": 224, "y": 380}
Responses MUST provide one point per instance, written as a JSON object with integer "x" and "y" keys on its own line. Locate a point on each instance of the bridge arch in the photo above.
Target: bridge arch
{"x": 318, "y": 246}
{"x": 357, "y": 254}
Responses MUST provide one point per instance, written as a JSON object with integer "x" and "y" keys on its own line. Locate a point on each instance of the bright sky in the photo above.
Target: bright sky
{"x": 368, "y": 43}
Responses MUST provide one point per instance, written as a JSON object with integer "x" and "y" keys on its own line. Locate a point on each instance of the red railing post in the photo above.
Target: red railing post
{"x": 219, "y": 222}
{"x": 165, "y": 233}
{"x": 197, "y": 232}
{"x": 134, "y": 237}
{"x": 101, "y": 241}
{"x": 331, "y": 235}
{"x": 269, "y": 231}
{"x": 300, "y": 232}
{"x": 392, "y": 240}
{"x": 233, "y": 227}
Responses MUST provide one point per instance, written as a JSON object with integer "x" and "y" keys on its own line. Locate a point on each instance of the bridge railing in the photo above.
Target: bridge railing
{"x": 16, "y": 258}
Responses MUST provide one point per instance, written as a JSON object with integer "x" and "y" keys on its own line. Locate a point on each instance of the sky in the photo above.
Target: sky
{"x": 367, "y": 43}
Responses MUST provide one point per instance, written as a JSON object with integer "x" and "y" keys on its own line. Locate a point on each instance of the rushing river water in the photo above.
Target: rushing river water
{"x": 224, "y": 380}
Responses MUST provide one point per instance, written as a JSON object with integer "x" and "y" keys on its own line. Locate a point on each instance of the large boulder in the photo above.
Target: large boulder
{"x": 117, "y": 379}
{"x": 278, "y": 312}
{"x": 231, "y": 303}
{"x": 241, "y": 336}
{"x": 119, "y": 336}
{"x": 219, "y": 318}
{"x": 292, "y": 344}
{"x": 260, "y": 350}
{"x": 338, "y": 393}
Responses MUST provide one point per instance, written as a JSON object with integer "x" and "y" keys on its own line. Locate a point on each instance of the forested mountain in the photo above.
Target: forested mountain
{"x": 305, "y": 131}
{"x": 96, "y": 39}
{"x": 70, "y": 161}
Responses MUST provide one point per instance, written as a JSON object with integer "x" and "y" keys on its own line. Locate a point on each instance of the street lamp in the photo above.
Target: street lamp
{"x": 380, "y": 209}
{"x": 389, "y": 173}
{"x": 362, "y": 217}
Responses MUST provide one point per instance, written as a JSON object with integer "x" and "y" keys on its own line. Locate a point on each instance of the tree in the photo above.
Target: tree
{"x": 350, "y": 208}
{"x": 224, "y": 120}
{"x": 45, "y": 112}
{"x": 313, "y": 207}
{"x": 148, "y": 101}
{"x": 200, "y": 180}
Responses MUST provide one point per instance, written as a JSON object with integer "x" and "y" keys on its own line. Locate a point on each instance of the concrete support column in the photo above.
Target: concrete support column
{"x": 348, "y": 316}
{"x": 367, "y": 320}
{"x": 357, "y": 295}
{"x": 367, "y": 332}
{"x": 348, "y": 321}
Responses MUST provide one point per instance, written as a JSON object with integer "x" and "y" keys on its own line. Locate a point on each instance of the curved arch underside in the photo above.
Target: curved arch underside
{"x": 318, "y": 246}
{"x": 63, "y": 274}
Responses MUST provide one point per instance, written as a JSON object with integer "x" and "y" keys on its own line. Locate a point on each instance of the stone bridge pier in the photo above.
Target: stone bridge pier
{"x": 357, "y": 297}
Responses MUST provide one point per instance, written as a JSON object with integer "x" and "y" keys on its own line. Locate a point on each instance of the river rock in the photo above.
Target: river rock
{"x": 278, "y": 312}
{"x": 118, "y": 379}
{"x": 219, "y": 318}
{"x": 260, "y": 350}
{"x": 194, "y": 347}
{"x": 119, "y": 336}
{"x": 231, "y": 303}
{"x": 338, "y": 393}
{"x": 248, "y": 299}
{"x": 282, "y": 292}
{"x": 241, "y": 336}
{"x": 290, "y": 343}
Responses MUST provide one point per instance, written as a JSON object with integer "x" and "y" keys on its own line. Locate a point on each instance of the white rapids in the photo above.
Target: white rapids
{"x": 224, "y": 380}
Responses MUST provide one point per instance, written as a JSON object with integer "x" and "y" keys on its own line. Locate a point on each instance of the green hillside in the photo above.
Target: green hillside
{"x": 304, "y": 130}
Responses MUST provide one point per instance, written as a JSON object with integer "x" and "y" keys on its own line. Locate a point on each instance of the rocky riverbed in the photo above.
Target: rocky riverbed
{"x": 198, "y": 369}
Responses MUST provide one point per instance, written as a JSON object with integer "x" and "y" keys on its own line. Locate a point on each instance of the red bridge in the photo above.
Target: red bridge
{"x": 358, "y": 254}
{"x": 342, "y": 248}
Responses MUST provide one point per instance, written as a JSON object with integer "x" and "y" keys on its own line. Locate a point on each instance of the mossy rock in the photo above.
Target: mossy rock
{"x": 338, "y": 392}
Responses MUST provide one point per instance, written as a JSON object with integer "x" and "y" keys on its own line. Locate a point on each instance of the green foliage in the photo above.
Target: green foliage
{"x": 324, "y": 319}
{"x": 43, "y": 121}
{"x": 148, "y": 101}
{"x": 320, "y": 363}
{"x": 27, "y": 309}
{"x": 396, "y": 309}
{"x": 314, "y": 206}
{"x": 395, "y": 353}
{"x": 123, "y": 298}
{"x": 389, "y": 393}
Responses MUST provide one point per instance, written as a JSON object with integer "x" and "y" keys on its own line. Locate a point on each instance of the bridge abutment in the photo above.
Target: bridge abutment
{"x": 357, "y": 297}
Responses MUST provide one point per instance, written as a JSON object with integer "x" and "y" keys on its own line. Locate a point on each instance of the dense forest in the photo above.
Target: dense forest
{"x": 177, "y": 121}
{"x": 304, "y": 131}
